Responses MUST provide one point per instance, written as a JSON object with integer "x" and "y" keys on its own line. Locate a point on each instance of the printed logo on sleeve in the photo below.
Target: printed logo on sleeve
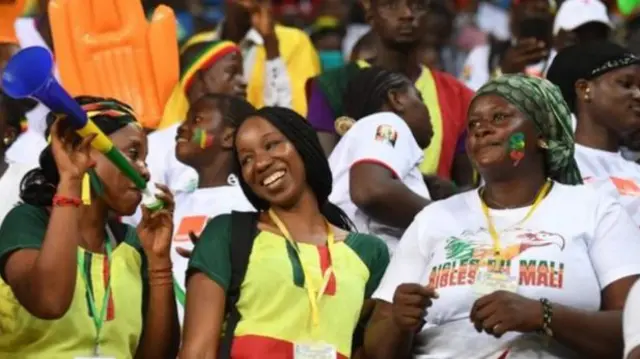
{"x": 466, "y": 73}
{"x": 626, "y": 187}
{"x": 188, "y": 224}
{"x": 386, "y": 134}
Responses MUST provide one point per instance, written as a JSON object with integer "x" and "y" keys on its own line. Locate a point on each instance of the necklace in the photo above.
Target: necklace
{"x": 481, "y": 193}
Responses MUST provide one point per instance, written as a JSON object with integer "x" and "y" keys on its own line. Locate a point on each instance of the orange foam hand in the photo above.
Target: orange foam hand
{"x": 10, "y": 10}
{"x": 107, "y": 48}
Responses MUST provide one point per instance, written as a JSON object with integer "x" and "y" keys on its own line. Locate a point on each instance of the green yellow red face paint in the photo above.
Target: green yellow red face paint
{"x": 202, "y": 138}
{"x": 516, "y": 147}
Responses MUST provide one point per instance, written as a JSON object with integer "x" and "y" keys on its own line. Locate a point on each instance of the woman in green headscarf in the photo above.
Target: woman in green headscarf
{"x": 530, "y": 265}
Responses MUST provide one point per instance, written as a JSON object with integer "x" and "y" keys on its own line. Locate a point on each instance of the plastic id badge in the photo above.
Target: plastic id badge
{"x": 314, "y": 351}
{"x": 488, "y": 282}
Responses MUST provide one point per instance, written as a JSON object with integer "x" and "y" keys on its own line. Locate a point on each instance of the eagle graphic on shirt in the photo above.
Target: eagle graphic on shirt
{"x": 514, "y": 241}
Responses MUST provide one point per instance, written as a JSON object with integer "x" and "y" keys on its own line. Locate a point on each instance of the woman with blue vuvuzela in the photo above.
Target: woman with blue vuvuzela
{"x": 74, "y": 281}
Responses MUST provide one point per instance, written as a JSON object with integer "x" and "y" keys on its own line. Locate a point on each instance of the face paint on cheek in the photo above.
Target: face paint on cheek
{"x": 516, "y": 147}
{"x": 202, "y": 138}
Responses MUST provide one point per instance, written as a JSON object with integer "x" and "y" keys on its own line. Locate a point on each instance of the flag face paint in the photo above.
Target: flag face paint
{"x": 516, "y": 147}
{"x": 202, "y": 138}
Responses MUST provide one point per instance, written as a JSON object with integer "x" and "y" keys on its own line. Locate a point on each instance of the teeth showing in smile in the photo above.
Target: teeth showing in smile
{"x": 273, "y": 178}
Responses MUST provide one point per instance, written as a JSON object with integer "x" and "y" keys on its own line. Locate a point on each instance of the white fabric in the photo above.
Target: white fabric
{"x": 631, "y": 320}
{"x": 354, "y": 33}
{"x": 576, "y": 243}
{"x": 475, "y": 72}
{"x": 494, "y": 20}
{"x": 277, "y": 85}
{"x": 363, "y": 144}
{"x": 610, "y": 173}
{"x": 163, "y": 164}
{"x": 193, "y": 211}
{"x": 10, "y": 187}
{"x": 575, "y": 13}
{"x": 27, "y": 148}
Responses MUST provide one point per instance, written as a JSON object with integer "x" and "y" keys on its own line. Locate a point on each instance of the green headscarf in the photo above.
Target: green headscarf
{"x": 541, "y": 101}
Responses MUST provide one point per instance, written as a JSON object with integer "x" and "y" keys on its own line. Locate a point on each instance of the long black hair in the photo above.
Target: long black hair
{"x": 368, "y": 90}
{"x": 318, "y": 174}
{"x": 39, "y": 185}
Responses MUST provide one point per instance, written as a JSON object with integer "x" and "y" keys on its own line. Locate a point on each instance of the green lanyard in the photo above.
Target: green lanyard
{"x": 98, "y": 320}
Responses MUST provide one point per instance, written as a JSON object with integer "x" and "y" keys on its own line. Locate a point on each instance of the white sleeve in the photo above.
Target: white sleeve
{"x": 615, "y": 247}
{"x": 408, "y": 264}
{"x": 631, "y": 320}
{"x": 277, "y": 87}
{"x": 475, "y": 72}
{"x": 386, "y": 142}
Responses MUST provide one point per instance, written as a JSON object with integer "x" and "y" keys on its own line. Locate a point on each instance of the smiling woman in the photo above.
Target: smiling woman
{"x": 314, "y": 273}
{"x": 539, "y": 265}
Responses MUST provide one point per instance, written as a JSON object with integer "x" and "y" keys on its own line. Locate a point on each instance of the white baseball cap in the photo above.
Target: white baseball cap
{"x": 575, "y": 13}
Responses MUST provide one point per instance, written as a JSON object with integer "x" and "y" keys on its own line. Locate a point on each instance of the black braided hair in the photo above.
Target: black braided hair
{"x": 38, "y": 186}
{"x": 318, "y": 174}
{"x": 234, "y": 109}
{"x": 368, "y": 91}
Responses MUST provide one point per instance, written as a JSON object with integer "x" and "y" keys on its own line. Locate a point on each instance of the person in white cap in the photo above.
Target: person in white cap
{"x": 581, "y": 21}
{"x": 631, "y": 323}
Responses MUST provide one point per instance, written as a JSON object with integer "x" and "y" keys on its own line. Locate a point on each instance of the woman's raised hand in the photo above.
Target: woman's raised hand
{"x": 410, "y": 303}
{"x": 73, "y": 157}
{"x": 155, "y": 231}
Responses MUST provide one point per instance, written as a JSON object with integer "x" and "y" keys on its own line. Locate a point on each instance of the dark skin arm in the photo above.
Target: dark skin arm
{"x": 203, "y": 319}
{"x": 383, "y": 338}
{"x": 635, "y": 354}
{"x": 328, "y": 141}
{"x": 161, "y": 333}
{"x": 591, "y": 334}
{"x": 599, "y": 334}
{"x": 44, "y": 280}
{"x": 376, "y": 191}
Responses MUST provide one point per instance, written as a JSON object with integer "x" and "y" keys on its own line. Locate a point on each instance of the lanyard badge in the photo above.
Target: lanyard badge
{"x": 489, "y": 280}
{"x": 98, "y": 317}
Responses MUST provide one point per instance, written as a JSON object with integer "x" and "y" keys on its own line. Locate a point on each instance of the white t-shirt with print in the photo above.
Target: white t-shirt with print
{"x": 382, "y": 138}
{"x": 574, "y": 244}
{"x": 611, "y": 173}
{"x": 631, "y": 320}
{"x": 193, "y": 211}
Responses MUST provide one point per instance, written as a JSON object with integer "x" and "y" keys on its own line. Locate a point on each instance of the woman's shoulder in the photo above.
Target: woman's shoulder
{"x": 24, "y": 214}
{"x": 368, "y": 247}
{"x": 454, "y": 205}
{"x": 219, "y": 227}
{"x": 583, "y": 196}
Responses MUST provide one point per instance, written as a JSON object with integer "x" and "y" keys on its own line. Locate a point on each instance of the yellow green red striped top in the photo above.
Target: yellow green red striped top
{"x": 273, "y": 305}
